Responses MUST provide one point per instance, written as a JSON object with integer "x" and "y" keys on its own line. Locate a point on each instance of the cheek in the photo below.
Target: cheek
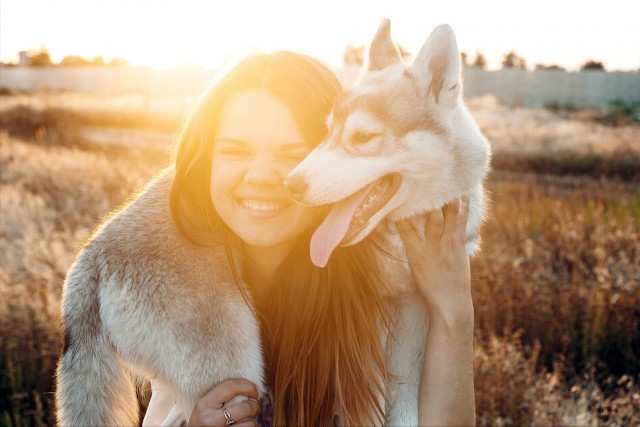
{"x": 220, "y": 184}
{"x": 310, "y": 217}
{"x": 225, "y": 173}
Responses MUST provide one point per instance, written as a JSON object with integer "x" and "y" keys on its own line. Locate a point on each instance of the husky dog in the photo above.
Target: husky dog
{"x": 401, "y": 142}
{"x": 140, "y": 299}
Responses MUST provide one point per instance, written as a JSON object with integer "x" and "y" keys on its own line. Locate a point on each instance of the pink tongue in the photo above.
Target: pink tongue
{"x": 333, "y": 229}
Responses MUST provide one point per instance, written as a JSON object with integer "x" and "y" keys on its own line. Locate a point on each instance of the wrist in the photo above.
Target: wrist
{"x": 454, "y": 314}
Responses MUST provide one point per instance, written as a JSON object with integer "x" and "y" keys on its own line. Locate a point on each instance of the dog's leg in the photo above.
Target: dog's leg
{"x": 405, "y": 361}
{"x": 93, "y": 388}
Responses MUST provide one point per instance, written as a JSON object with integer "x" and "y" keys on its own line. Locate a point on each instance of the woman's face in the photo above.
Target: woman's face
{"x": 256, "y": 145}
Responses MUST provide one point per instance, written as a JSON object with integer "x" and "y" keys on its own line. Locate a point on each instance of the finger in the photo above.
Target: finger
{"x": 419, "y": 224}
{"x": 408, "y": 233}
{"x": 227, "y": 390}
{"x": 246, "y": 409}
{"x": 451, "y": 211}
{"x": 435, "y": 221}
{"x": 247, "y": 423}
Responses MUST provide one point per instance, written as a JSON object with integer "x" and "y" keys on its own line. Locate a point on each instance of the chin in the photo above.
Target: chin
{"x": 260, "y": 240}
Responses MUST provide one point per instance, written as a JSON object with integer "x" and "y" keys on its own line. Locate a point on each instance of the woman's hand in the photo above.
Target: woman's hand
{"x": 440, "y": 266}
{"x": 210, "y": 409}
{"x": 438, "y": 259}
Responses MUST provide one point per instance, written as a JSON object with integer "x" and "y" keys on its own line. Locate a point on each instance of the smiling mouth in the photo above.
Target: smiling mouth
{"x": 262, "y": 206}
{"x": 350, "y": 216}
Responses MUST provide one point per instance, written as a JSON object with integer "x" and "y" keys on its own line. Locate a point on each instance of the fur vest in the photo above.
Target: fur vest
{"x": 141, "y": 299}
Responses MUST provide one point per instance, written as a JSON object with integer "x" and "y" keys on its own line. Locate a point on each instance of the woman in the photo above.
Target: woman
{"x": 327, "y": 334}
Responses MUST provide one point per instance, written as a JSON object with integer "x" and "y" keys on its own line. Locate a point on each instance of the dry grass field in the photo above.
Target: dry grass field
{"x": 556, "y": 286}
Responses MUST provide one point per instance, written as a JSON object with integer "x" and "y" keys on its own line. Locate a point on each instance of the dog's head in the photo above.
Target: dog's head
{"x": 400, "y": 143}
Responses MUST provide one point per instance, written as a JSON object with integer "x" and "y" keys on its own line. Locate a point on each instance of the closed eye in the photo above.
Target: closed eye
{"x": 293, "y": 157}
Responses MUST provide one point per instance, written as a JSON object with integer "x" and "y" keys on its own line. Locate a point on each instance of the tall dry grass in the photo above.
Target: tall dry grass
{"x": 557, "y": 281}
{"x": 51, "y": 197}
{"x": 556, "y": 286}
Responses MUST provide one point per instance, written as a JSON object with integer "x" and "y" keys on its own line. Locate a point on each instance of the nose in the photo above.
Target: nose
{"x": 296, "y": 186}
{"x": 261, "y": 173}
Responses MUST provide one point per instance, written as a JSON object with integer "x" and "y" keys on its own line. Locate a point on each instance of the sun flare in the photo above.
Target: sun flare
{"x": 167, "y": 33}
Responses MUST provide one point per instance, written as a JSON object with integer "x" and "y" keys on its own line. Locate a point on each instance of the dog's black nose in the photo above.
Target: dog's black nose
{"x": 296, "y": 186}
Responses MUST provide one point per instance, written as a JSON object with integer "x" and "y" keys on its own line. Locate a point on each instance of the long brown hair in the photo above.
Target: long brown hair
{"x": 321, "y": 327}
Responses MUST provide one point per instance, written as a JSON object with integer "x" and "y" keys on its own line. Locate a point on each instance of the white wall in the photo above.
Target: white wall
{"x": 106, "y": 80}
{"x": 540, "y": 88}
{"x": 513, "y": 87}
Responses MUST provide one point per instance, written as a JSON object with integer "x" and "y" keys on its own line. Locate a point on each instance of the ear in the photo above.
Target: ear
{"x": 382, "y": 52}
{"x": 437, "y": 66}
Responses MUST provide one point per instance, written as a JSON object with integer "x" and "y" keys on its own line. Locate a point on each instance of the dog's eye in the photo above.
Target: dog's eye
{"x": 363, "y": 137}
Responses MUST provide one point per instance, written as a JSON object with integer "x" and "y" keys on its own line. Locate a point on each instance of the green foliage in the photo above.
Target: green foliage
{"x": 622, "y": 112}
{"x": 616, "y": 113}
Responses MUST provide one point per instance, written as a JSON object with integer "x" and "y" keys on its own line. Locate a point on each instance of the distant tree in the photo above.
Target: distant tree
{"x": 480, "y": 61}
{"x": 592, "y": 65}
{"x": 353, "y": 55}
{"x": 118, "y": 62}
{"x": 512, "y": 60}
{"x": 463, "y": 59}
{"x": 73, "y": 61}
{"x": 97, "y": 60}
{"x": 39, "y": 59}
{"x": 549, "y": 67}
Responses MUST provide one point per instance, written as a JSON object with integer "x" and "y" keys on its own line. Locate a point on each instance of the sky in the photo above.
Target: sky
{"x": 211, "y": 33}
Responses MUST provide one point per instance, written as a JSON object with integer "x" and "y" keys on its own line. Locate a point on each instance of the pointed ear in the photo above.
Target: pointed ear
{"x": 437, "y": 66}
{"x": 382, "y": 52}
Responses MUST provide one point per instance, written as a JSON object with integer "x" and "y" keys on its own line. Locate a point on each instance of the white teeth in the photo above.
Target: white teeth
{"x": 262, "y": 206}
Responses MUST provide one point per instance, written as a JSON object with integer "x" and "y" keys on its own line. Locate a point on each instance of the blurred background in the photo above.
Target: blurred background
{"x": 92, "y": 92}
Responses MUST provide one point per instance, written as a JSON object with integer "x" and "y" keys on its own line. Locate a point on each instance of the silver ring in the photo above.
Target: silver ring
{"x": 227, "y": 416}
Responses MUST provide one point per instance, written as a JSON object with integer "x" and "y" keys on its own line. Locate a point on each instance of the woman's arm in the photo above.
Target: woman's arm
{"x": 440, "y": 266}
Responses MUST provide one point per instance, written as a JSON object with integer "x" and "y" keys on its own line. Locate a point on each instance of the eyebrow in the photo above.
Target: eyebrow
{"x": 295, "y": 146}
{"x": 283, "y": 147}
{"x": 231, "y": 140}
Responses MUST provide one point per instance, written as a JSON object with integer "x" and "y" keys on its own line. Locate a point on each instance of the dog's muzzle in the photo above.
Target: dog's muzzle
{"x": 297, "y": 186}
